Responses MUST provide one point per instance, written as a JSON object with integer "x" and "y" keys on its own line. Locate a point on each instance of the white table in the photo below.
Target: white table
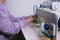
{"x": 29, "y": 33}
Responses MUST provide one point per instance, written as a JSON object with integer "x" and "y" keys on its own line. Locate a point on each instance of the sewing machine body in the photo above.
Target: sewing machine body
{"x": 47, "y": 18}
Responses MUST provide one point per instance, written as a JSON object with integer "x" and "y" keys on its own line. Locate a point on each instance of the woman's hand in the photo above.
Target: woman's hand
{"x": 29, "y": 19}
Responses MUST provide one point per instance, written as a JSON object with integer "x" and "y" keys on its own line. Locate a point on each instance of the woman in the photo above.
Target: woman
{"x": 10, "y": 24}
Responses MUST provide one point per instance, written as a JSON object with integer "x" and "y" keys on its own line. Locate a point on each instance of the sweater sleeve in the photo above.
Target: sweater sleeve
{"x": 6, "y": 23}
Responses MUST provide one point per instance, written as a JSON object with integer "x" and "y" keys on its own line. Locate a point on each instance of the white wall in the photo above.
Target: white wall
{"x": 20, "y": 8}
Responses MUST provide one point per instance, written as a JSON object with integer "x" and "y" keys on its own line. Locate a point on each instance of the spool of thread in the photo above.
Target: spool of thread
{"x": 46, "y": 26}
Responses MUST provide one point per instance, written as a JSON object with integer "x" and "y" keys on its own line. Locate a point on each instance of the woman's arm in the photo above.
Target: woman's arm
{"x": 22, "y": 20}
{"x": 6, "y": 25}
{"x": 10, "y": 27}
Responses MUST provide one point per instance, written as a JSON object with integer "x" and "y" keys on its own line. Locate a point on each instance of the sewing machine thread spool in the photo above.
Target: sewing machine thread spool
{"x": 46, "y": 26}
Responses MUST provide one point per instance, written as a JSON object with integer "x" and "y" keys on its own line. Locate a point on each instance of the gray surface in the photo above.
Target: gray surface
{"x": 48, "y": 16}
{"x": 55, "y": 0}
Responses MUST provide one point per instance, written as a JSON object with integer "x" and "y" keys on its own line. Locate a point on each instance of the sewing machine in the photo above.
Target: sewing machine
{"x": 45, "y": 26}
{"x": 49, "y": 20}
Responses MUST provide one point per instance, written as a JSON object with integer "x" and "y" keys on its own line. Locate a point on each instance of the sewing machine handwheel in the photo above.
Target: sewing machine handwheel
{"x": 59, "y": 23}
{"x": 46, "y": 26}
